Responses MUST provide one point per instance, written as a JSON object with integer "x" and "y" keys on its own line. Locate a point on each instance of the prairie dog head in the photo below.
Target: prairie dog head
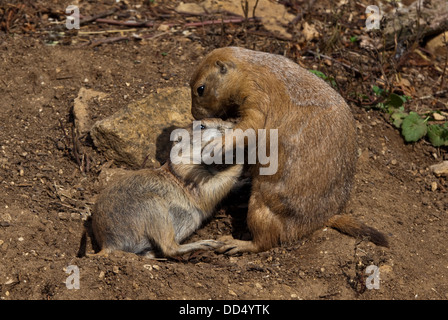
{"x": 189, "y": 142}
{"x": 214, "y": 86}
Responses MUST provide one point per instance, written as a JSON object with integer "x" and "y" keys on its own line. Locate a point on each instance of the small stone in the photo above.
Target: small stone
{"x": 433, "y": 186}
{"x": 64, "y": 215}
{"x": 115, "y": 269}
{"x": 438, "y": 116}
{"x": 4, "y": 224}
{"x": 75, "y": 216}
{"x": 394, "y": 162}
{"x": 232, "y": 293}
{"x": 60, "y": 145}
{"x": 440, "y": 168}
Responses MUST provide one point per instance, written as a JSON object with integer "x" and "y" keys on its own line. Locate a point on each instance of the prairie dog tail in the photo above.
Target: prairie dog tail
{"x": 357, "y": 229}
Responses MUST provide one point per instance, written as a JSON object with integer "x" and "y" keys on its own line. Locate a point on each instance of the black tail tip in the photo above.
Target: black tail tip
{"x": 376, "y": 237}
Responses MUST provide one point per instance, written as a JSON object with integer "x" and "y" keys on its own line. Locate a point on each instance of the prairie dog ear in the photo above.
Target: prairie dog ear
{"x": 223, "y": 66}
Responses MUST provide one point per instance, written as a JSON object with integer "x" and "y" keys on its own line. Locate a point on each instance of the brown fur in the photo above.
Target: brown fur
{"x": 316, "y": 132}
{"x": 151, "y": 211}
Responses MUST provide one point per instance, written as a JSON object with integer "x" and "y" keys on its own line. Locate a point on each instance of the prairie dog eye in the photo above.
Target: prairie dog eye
{"x": 203, "y": 127}
{"x": 200, "y": 90}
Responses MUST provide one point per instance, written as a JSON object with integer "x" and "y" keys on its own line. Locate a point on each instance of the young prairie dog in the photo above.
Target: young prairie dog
{"x": 317, "y": 149}
{"x": 151, "y": 211}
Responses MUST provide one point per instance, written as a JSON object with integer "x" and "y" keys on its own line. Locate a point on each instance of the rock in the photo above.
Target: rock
{"x": 437, "y": 45}
{"x": 232, "y": 293}
{"x": 80, "y": 109}
{"x": 273, "y": 15}
{"x": 64, "y": 215}
{"x": 4, "y": 224}
{"x": 147, "y": 267}
{"x": 433, "y": 186}
{"x": 399, "y": 23}
{"x": 440, "y": 168}
{"x": 140, "y": 132}
{"x": 438, "y": 116}
{"x": 310, "y": 32}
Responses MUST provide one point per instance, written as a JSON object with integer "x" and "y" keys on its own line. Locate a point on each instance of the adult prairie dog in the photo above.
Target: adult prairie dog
{"x": 151, "y": 211}
{"x": 316, "y": 143}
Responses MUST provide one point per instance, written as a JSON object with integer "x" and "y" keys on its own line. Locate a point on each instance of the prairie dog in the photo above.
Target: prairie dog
{"x": 151, "y": 211}
{"x": 316, "y": 143}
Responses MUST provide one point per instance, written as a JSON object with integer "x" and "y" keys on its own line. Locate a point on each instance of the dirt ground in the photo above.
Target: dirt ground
{"x": 44, "y": 196}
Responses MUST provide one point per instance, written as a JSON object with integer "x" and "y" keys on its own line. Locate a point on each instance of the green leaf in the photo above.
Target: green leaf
{"x": 413, "y": 127}
{"x": 438, "y": 135}
{"x": 395, "y": 101}
{"x": 319, "y": 74}
{"x": 397, "y": 118}
{"x": 378, "y": 91}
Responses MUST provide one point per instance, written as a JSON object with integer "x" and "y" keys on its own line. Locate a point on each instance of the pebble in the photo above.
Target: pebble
{"x": 232, "y": 293}
{"x": 433, "y": 186}
{"x": 147, "y": 266}
{"x": 438, "y": 116}
{"x": 4, "y": 224}
{"x": 64, "y": 215}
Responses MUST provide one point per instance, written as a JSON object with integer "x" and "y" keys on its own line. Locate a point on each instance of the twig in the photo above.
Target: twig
{"x": 96, "y": 17}
{"x": 86, "y": 20}
{"x": 334, "y": 60}
{"x": 76, "y": 148}
{"x": 344, "y": 65}
{"x": 446, "y": 62}
{"x": 99, "y": 42}
{"x": 126, "y": 23}
{"x": 212, "y": 22}
{"x": 255, "y": 8}
{"x": 65, "y": 134}
{"x": 185, "y": 25}
{"x": 269, "y": 34}
{"x": 106, "y": 31}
